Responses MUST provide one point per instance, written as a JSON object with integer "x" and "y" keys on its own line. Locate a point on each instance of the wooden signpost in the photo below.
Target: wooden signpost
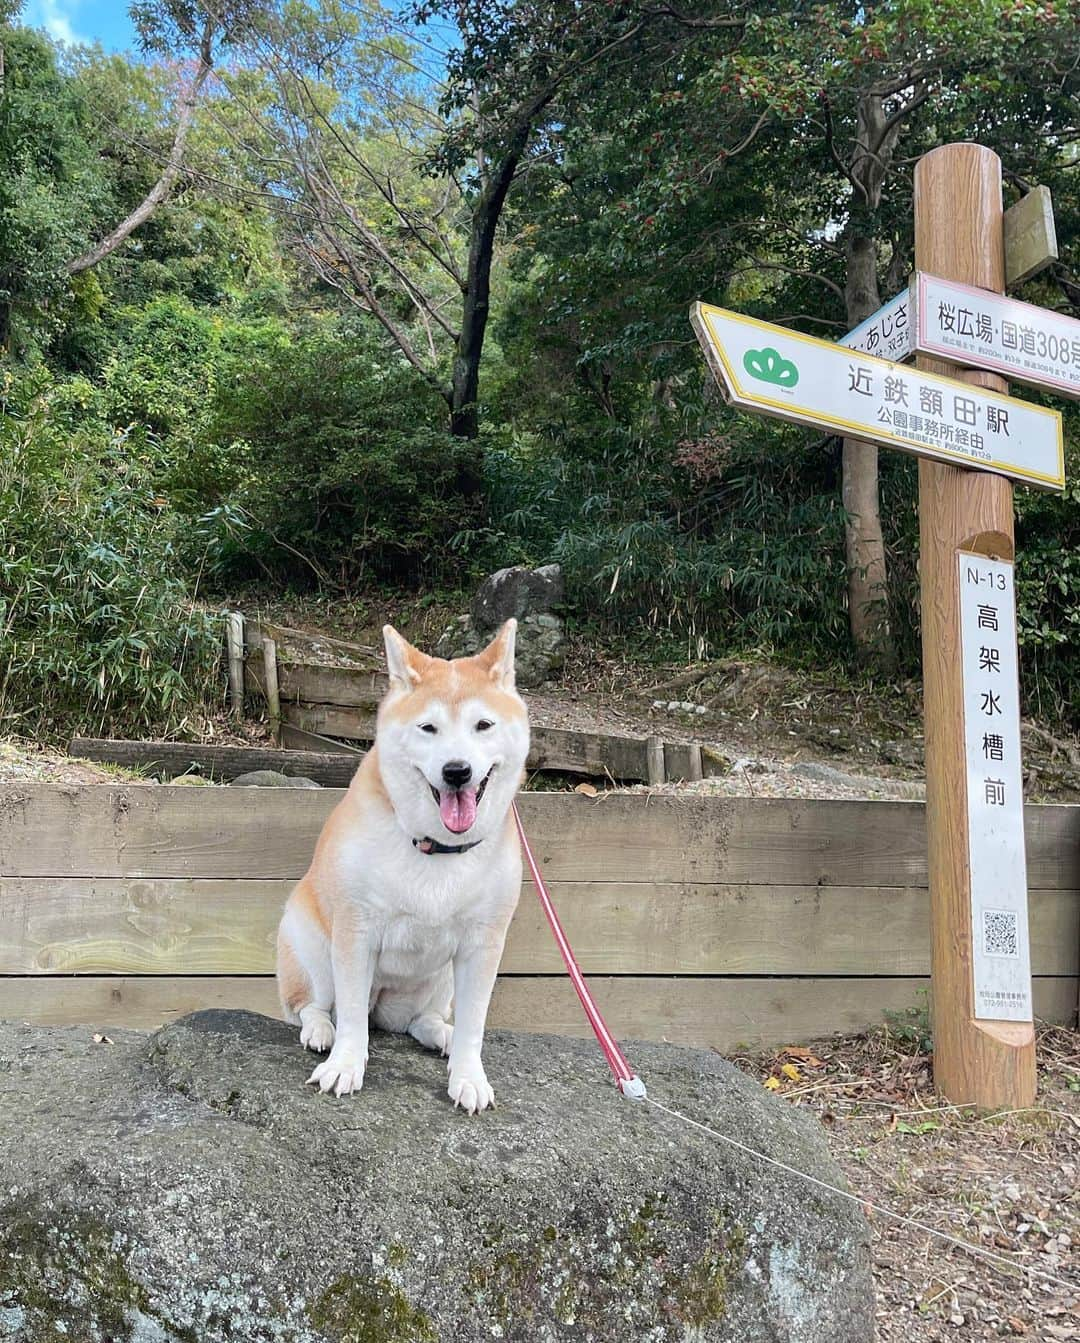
{"x": 1030, "y": 246}
{"x": 984, "y": 1038}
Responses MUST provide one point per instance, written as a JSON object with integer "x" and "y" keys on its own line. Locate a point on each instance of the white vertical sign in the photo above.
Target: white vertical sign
{"x": 999, "y": 916}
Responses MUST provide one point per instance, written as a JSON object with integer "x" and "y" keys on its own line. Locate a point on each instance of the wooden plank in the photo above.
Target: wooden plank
{"x": 167, "y": 759}
{"x": 327, "y": 720}
{"x": 296, "y": 739}
{"x": 150, "y": 831}
{"x": 714, "y": 1013}
{"x": 593, "y": 753}
{"x": 101, "y": 925}
{"x": 1030, "y": 236}
{"x": 555, "y": 749}
{"x": 343, "y": 687}
{"x": 726, "y": 1013}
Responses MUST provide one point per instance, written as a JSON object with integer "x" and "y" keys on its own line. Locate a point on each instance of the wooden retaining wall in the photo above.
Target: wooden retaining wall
{"x": 320, "y": 705}
{"x": 711, "y": 921}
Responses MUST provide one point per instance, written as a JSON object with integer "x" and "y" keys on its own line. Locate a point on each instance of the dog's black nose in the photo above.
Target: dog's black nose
{"x": 457, "y": 773}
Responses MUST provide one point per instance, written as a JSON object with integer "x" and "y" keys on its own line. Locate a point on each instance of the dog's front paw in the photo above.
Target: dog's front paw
{"x": 470, "y": 1088}
{"x": 342, "y": 1073}
{"x": 317, "y": 1033}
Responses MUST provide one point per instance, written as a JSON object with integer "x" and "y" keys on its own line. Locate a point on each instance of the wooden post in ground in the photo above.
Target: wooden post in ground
{"x": 654, "y": 760}
{"x": 273, "y": 695}
{"x": 234, "y": 632}
{"x": 958, "y": 236}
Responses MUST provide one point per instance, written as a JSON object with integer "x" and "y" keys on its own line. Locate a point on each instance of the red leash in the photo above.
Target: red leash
{"x": 626, "y": 1079}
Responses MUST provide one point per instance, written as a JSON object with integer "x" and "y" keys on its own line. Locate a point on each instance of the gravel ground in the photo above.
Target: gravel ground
{"x": 1007, "y": 1183}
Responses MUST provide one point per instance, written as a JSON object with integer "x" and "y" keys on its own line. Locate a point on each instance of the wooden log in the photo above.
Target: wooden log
{"x": 234, "y": 630}
{"x": 273, "y": 696}
{"x": 654, "y": 759}
{"x": 723, "y": 1014}
{"x": 56, "y": 830}
{"x": 168, "y": 759}
{"x": 162, "y": 926}
{"x": 958, "y": 235}
{"x": 697, "y": 767}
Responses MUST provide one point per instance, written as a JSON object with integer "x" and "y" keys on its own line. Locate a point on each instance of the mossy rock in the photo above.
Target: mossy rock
{"x": 187, "y": 1188}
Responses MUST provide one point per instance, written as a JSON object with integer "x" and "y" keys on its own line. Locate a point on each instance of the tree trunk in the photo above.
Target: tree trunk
{"x": 868, "y": 613}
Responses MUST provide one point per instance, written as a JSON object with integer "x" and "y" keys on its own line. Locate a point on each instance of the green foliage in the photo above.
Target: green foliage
{"x": 731, "y": 539}
{"x": 221, "y": 396}
{"x": 1048, "y": 592}
{"x": 97, "y": 625}
{"x": 49, "y": 187}
{"x": 339, "y": 458}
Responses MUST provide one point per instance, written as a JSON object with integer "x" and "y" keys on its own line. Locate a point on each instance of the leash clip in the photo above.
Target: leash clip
{"x": 633, "y": 1088}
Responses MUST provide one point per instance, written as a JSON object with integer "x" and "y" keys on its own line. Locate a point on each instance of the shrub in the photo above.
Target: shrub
{"x": 97, "y": 625}
{"x": 341, "y": 459}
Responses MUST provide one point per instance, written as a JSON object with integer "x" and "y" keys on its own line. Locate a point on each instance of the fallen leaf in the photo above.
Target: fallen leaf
{"x": 801, "y": 1052}
{"x": 791, "y": 1072}
{"x": 1017, "y": 1325}
{"x": 772, "y": 1084}
{"x": 102, "y": 1040}
{"x": 588, "y": 789}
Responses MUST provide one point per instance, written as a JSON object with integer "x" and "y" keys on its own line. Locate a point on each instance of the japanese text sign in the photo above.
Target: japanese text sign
{"x": 770, "y": 370}
{"x": 999, "y": 914}
{"x": 977, "y": 327}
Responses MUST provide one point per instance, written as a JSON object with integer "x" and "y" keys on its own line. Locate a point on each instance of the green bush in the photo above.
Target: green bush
{"x": 97, "y": 626}
{"x": 722, "y": 542}
{"x": 340, "y": 461}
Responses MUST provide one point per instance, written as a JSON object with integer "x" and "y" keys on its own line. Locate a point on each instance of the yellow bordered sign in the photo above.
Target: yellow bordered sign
{"x": 770, "y": 370}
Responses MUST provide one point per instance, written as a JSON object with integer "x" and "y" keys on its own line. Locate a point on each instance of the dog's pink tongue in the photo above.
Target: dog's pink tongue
{"x": 458, "y": 810}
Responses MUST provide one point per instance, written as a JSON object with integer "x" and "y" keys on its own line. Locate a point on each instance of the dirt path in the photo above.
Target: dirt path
{"x": 1009, "y": 1184}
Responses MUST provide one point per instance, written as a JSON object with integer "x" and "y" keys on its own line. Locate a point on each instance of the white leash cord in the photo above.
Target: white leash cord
{"x": 997, "y": 1259}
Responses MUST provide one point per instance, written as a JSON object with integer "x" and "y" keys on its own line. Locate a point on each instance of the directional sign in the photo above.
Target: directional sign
{"x": 885, "y": 333}
{"x": 986, "y": 330}
{"x": 1029, "y": 235}
{"x": 773, "y": 371}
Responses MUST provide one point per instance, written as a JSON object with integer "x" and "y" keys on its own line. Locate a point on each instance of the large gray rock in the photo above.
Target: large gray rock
{"x": 530, "y": 596}
{"x": 186, "y": 1188}
{"x": 516, "y": 592}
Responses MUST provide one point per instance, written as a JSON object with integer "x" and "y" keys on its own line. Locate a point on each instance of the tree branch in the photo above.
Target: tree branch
{"x": 159, "y": 192}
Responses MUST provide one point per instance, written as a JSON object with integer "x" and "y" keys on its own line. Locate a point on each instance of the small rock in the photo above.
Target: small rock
{"x": 190, "y": 781}
{"x": 271, "y": 778}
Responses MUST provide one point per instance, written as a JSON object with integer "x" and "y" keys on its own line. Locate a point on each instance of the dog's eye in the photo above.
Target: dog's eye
{"x": 428, "y": 727}
{"x": 484, "y": 724}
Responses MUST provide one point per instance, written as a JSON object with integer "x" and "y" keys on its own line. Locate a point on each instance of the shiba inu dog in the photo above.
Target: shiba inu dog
{"x": 416, "y": 874}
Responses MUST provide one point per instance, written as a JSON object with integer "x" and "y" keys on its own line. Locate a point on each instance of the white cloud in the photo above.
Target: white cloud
{"x": 56, "y": 17}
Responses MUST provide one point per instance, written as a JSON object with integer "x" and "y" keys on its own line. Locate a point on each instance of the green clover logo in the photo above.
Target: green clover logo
{"x": 768, "y": 366}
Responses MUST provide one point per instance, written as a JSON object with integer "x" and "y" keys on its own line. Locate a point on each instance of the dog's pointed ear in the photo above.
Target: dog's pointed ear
{"x": 404, "y": 662}
{"x": 498, "y": 656}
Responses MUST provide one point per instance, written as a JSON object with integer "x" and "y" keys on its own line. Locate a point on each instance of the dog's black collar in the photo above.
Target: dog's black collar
{"x": 428, "y": 845}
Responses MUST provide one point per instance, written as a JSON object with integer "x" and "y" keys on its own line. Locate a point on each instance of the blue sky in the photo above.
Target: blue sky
{"x": 104, "y": 21}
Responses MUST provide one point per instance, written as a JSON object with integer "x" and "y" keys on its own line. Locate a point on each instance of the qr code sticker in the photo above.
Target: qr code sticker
{"x": 1001, "y": 932}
